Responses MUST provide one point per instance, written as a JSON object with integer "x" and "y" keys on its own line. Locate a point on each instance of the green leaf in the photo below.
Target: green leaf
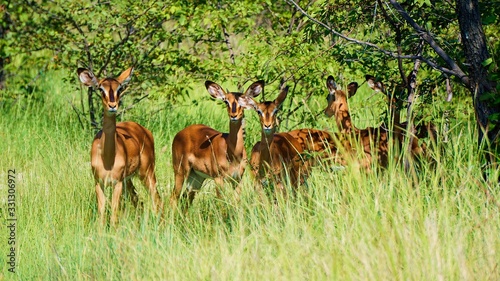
{"x": 495, "y": 117}
{"x": 487, "y": 62}
{"x": 182, "y": 20}
{"x": 489, "y": 19}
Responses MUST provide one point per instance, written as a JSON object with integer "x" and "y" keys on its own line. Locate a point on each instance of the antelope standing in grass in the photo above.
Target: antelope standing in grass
{"x": 421, "y": 131}
{"x": 371, "y": 140}
{"x": 200, "y": 152}
{"x": 277, "y": 155}
{"x": 119, "y": 150}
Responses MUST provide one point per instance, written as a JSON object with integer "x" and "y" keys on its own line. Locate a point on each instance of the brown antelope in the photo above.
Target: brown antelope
{"x": 276, "y": 155}
{"x": 350, "y": 137}
{"x": 119, "y": 150}
{"x": 200, "y": 152}
{"x": 337, "y": 105}
{"x": 319, "y": 146}
{"x": 312, "y": 140}
{"x": 421, "y": 131}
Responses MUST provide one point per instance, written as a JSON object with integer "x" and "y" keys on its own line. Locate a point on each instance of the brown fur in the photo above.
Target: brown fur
{"x": 425, "y": 130}
{"x": 400, "y": 129}
{"x": 319, "y": 146}
{"x": 372, "y": 141}
{"x": 119, "y": 150}
{"x": 277, "y": 155}
{"x": 200, "y": 152}
{"x": 312, "y": 140}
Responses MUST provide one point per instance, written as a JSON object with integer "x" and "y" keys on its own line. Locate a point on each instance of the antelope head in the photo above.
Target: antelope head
{"x": 337, "y": 99}
{"x": 232, "y": 100}
{"x": 267, "y": 110}
{"x": 110, "y": 88}
{"x": 377, "y": 86}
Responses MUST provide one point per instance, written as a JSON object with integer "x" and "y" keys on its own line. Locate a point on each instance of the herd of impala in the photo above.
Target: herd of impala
{"x": 122, "y": 150}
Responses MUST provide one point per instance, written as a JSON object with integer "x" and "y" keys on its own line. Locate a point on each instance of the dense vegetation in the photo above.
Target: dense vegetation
{"x": 440, "y": 223}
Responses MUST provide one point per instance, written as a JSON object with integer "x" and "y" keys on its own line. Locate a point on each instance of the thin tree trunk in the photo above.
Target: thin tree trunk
{"x": 411, "y": 85}
{"x": 93, "y": 122}
{"x": 446, "y": 113}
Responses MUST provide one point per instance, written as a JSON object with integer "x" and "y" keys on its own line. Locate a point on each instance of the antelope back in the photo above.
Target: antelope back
{"x": 110, "y": 88}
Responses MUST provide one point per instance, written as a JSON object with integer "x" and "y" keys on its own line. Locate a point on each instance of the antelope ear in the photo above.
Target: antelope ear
{"x": 370, "y": 80}
{"x": 376, "y": 86}
{"x": 352, "y": 88}
{"x": 247, "y": 102}
{"x": 215, "y": 90}
{"x": 282, "y": 96}
{"x": 87, "y": 77}
{"x": 380, "y": 86}
{"x": 126, "y": 75}
{"x": 255, "y": 89}
{"x": 330, "y": 84}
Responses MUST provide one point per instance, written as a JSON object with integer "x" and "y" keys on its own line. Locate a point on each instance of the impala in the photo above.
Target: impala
{"x": 368, "y": 139}
{"x": 337, "y": 105}
{"x": 323, "y": 142}
{"x": 320, "y": 146}
{"x": 276, "y": 155}
{"x": 312, "y": 140}
{"x": 119, "y": 150}
{"x": 200, "y": 152}
{"x": 421, "y": 130}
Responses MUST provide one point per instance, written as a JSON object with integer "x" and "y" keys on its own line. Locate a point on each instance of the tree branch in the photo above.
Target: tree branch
{"x": 65, "y": 17}
{"x": 340, "y": 34}
{"x": 129, "y": 31}
{"x": 399, "y": 38}
{"x": 136, "y": 101}
{"x": 78, "y": 113}
{"x": 455, "y": 69}
{"x": 228, "y": 44}
{"x": 422, "y": 33}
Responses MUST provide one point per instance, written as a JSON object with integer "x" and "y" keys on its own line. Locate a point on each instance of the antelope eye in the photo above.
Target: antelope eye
{"x": 102, "y": 92}
{"x": 259, "y": 112}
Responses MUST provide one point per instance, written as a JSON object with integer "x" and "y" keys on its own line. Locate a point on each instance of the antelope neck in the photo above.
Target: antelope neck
{"x": 235, "y": 139}
{"x": 108, "y": 141}
{"x": 342, "y": 116}
{"x": 266, "y": 140}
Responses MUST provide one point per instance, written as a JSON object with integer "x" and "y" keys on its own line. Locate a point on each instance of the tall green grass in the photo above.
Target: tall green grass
{"x": 346, "y": 225}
